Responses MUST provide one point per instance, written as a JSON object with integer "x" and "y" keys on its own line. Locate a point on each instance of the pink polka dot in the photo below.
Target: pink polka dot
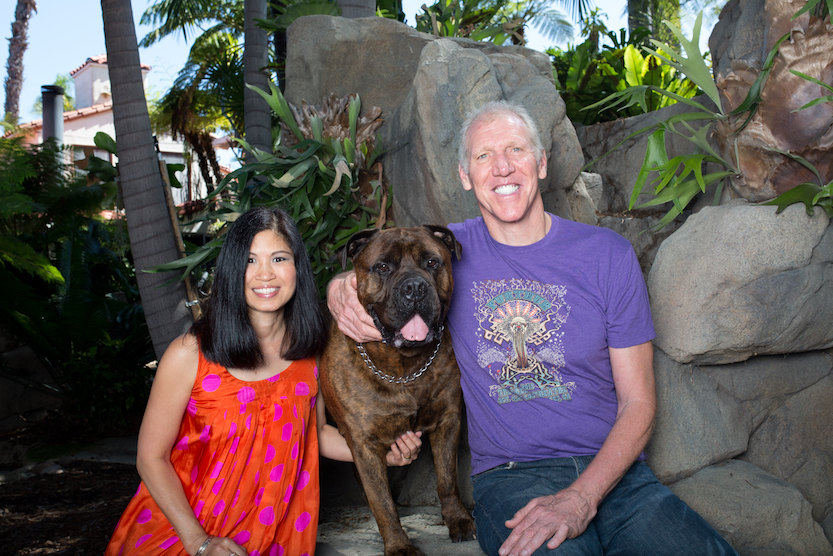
{"x": 276, "y": 473}
{"x": 315, "y": 371}
{"x": 295, "y": 411}
{"x": 182, "y": 445}
{"x": 211, "y": 383}
{"x": 286, "y": 434}
{"x": 241, "y": 518}
{"x": 294, "y": 453}
{"x": 144, "y": 516}
{"x": 194, "y": 472}
{"x": 302, "y": 389}
{"x": 278, "y": 412}
{"x": 303, "y": 521}
{"x": 234, "y": 444}
{"x": 138, "y": 490}
{"x": 242, "y": 409}
{"x": 242, "y": 537}
{"x": 219, "y": 507}
{"x": 198, "y": 507}
{"x": 217, "y": 486}
{"x": 232, "y": 429}
{"x": 267, "y": 515}
{"x": 274, "y": 378}
{"x": 217, "y": 468}
{"x": 170, "y": 542}
{"x": 246, "y": 394}
{"x": 312, "y": 401}
{"x": 236, "y": 497}
{"x": 249, "y": 422}
{"x": 206, "y": 433}
{"x": 303, "y": 480}
{"x": 257, "y": 477}
{"x": 192, "y": 407}
{"x": 142, "y": 540}
{"x": 259, "y": 496}
{"x": 270, "y": 454}
{"x": 288, "y": 496}
{"x": 254, "y": 553}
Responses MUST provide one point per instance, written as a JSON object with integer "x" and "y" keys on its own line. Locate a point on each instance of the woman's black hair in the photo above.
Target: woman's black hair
{"x": 224, "y": 331}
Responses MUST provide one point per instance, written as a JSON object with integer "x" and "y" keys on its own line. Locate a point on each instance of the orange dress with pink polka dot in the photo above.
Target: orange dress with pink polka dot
{"x": 247, "y": 457}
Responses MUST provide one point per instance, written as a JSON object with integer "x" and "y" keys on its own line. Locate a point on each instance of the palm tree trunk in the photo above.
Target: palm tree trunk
{"x": 352, "y": 9}
{"x": 149, "y": 226}
{"x": 255, "y": 58}
{"x": 17, "y": 47}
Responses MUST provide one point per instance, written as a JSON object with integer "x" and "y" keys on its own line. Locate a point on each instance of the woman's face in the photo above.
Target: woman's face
{"x": 270, "y": 273}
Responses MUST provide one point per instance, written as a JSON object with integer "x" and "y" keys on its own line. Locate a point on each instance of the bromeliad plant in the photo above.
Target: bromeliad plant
{"x": 319, "y": 172}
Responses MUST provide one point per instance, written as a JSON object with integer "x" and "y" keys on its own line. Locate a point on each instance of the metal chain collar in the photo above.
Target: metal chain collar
{"x": 399, "y": 380}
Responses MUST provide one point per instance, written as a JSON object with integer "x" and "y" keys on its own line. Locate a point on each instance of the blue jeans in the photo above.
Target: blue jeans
{"x": 640, "y": 516}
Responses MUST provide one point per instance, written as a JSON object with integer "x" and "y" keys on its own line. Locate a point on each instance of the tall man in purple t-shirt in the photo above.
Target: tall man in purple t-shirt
{"x": 552, "y": 330}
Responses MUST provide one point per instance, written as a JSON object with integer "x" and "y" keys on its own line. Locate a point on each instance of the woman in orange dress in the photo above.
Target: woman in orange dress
{"x": 229, "y": 444}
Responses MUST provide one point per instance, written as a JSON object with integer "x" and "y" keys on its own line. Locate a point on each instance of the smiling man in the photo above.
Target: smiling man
{"x": 552, "y": 330}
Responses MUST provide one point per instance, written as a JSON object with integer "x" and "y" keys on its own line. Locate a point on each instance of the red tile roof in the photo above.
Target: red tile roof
{"x": 100, "y": 59}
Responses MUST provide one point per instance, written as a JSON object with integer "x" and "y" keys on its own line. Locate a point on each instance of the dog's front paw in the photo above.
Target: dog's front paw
{"x": 461, "y": 529}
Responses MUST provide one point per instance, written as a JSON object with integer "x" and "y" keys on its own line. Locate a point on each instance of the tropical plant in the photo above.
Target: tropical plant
{"x": 71, "y": 290}
{"x": 321, "y": 172}
{"x": 679, "y": 179}
{"x": 591, "y": 72}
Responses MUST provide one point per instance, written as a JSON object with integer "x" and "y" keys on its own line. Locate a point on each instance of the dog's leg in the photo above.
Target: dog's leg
{"x": 372, "y": 469}
{"x": 444, "y": 442}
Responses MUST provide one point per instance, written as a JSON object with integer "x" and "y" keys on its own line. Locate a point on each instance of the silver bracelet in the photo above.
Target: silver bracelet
{"x": 205, "y": 544}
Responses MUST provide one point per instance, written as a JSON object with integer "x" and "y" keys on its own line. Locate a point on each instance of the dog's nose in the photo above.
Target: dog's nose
{"x": 413, "y": 289}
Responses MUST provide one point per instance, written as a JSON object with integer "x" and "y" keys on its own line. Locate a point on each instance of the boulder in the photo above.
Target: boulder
{"x": 757, "y": 513}
{"x": 698, "y": 423}
{"x": 795, "y": 444}
{"x": 740, "y": 280}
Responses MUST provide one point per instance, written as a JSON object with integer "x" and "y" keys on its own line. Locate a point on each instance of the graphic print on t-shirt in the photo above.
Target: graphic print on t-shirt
{"x": 519, "y": 340}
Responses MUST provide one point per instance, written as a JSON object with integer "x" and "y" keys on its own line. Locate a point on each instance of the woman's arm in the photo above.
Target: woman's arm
{"x": 169, "y": 395}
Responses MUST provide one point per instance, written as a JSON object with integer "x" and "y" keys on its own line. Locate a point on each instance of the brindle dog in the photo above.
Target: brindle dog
{"x": 410, "y": 381}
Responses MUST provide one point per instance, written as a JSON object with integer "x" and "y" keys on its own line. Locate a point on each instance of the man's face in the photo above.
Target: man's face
{"x": 504, "y": 170}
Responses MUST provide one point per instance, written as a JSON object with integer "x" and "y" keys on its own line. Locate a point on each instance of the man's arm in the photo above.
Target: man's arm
{"x": 566, "y": 514}
{"x": 350, "y": 315}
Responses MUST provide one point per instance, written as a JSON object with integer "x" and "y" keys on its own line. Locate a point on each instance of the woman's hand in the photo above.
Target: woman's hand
{"x": 405, "y": 450}
{"x": 221, "y": 546}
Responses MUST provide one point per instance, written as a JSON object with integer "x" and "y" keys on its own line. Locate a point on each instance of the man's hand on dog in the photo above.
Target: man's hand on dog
{"x": 352, "y": 319}
{"x": 405, "y": 450}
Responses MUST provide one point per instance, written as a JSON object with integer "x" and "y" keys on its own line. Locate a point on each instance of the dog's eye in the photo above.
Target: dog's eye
{"x": 382, "y": 268}
{"x": 432, "y": 263}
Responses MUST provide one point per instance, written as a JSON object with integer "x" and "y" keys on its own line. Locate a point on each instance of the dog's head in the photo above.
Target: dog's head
{"x": 404, "y": 280}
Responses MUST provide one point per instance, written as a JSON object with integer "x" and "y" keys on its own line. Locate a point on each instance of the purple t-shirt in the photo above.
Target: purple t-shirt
{"x": 531, "y": 327}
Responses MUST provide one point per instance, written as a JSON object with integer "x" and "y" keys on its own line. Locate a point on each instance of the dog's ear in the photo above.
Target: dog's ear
{"x": 355, "y": 244}
{"x": 447, "y": 237}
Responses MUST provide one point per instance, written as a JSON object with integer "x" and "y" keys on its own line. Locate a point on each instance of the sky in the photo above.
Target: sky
{"x": 64, "y": 33}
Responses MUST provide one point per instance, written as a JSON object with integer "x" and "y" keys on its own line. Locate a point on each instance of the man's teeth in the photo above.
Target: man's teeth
{"x": 265, "y": 290}
{"x": 506, "y": 189}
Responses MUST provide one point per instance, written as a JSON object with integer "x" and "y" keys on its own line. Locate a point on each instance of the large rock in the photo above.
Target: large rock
{"x": 739, "y": 280}
{"x": 425, "y": 87}
{"x": 795, "y": 443}
{"x": 697, "y": 424}
{"x": 758, "y": 514}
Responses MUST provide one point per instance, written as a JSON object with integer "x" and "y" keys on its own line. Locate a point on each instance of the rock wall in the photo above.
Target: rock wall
{"x": 741, "y": 296}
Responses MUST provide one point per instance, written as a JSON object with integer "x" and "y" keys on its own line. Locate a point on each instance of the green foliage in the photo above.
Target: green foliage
{"x": 590, "y": 75}
{"x": 679, "y": 179}
{"x": 316, "y": 180}
{"x": 70, "y": 288}
{"x": 474, "y": 19}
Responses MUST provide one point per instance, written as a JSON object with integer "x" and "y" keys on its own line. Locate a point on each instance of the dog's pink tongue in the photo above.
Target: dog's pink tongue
{"x": 415, "y": 330}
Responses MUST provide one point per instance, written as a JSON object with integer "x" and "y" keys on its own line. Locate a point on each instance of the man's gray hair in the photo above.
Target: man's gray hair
{"x": 489, "y": 112}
